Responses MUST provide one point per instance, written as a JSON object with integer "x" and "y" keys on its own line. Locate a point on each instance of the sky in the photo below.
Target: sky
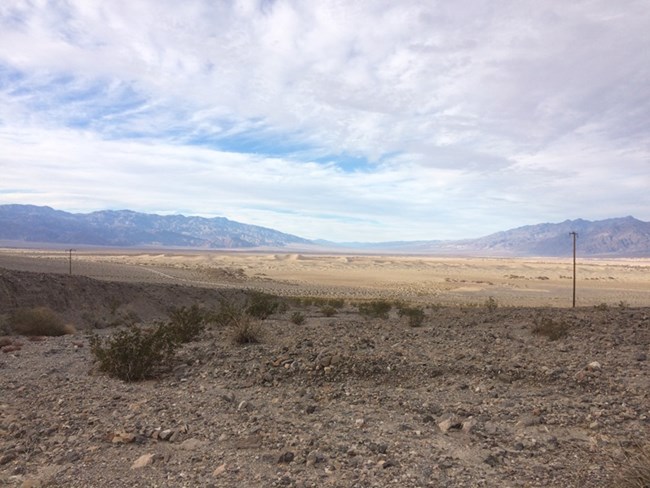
{"x": 345, "y": 120}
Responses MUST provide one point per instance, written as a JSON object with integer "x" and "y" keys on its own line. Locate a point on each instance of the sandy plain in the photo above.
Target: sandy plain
{"x": 444, "y": 280}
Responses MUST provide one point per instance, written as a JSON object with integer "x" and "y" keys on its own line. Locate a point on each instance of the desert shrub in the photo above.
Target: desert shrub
{"x": 636, "y": 472}
{"x": 229, "y": 312}
{"x": 298, "y": 318}
{"x": 328, "y": 310}
{"x": 39, "y": 321}
{"x": 186, "y": 323}
{"x": 134, "y": 353}
{"x": 375, "y": 309}
{"x": 335, "y": 303}
{"x": 551, "y": 329}
{"x": 491, "y": 304}
{"x": 602, "y": 307}
{"x": 415, "y": 315}
{"x": 262, "y": 305}
{"x": 623, "y": 305}
{"x": 246, "y": 330}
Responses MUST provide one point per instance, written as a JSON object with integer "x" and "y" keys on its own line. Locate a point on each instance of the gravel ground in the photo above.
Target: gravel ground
{"x": 471, "y": 398}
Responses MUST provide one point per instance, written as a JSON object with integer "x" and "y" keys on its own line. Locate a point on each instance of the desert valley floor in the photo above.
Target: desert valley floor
{"x": 474, "y": 396}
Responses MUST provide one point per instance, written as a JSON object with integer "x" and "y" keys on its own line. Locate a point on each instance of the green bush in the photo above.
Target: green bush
{"x": 298, "y": 318}
{"x": 415, "y": 315}
{"x": 262, "y": 305}
{"x": 551, "y": 329}
{"x": 39, "y": 321}
{"x": 186, "y": 323}
{"x": 375, "y": 309}
{"x": 134, "y": 353}
{"x": 328, "y": 311}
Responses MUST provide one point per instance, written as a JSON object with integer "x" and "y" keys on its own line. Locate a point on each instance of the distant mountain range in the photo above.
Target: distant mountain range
{"x": 618, "y": 237}
{"x": 125, "y": 228}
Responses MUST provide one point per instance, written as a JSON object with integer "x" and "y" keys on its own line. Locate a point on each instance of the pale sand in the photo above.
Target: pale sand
{"x": 445, "y": 280}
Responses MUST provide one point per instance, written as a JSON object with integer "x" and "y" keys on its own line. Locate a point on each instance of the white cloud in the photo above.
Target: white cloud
{"x": 472, "y": 116}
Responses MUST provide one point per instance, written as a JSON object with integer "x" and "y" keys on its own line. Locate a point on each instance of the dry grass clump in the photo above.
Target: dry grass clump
{"x": 39, "y": 321}
{"x": 246, "y": 330}
{"x": 551, "y": 329}
{"x": 298, "y": 318}
{"x": 636, "y": 473}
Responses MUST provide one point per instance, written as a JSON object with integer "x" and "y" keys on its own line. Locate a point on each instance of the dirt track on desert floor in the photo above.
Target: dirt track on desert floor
{"x": 444, "y": 280}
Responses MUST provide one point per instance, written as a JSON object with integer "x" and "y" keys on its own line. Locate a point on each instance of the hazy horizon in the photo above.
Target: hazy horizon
{"x": 353, "y": 122}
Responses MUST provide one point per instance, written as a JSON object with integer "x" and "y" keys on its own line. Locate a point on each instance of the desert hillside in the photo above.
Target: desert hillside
{"x": 473, "y": 393}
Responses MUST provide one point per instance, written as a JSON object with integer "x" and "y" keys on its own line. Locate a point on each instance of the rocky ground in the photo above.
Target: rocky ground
{"x": 471, "y": 398}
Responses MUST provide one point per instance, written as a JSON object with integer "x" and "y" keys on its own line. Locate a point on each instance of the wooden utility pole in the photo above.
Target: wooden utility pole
{"x": 574, "y": 234}
{"x": 70, "y": 260}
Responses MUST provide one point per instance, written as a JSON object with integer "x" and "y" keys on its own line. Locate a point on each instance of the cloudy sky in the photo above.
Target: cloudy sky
{"x": 338, "y": 119}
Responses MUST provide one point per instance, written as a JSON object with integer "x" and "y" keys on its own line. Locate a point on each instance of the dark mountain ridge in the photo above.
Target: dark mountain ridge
{"x": 616, "y": 237}
{"x": 126, "y": 228}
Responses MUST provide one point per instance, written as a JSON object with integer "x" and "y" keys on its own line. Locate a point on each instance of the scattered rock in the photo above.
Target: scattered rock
{"x": 286, "y": 457}
{"x": 192, "y": 444}
{"x": 142, "y": 461}
{"x": 594, "y": 366}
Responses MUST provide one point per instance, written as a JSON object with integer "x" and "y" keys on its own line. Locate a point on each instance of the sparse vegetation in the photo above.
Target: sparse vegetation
{"x": 262, "y": 305}
{"x": 298, "y": 318}
{"x": 246, "y": 330}
{"x": 636, "y": 472}
{"x": 375, "y": 309}
{"x": 229, "y": 312}
{"x": 491, "y": 304}
{"x": 328, "y": 310}
{"x": 415, "y": 315}
{"x": 602, "y": 307}
{"x": 39, "y": 321}
{"x": 186, "y": 323}
{"x": 551, "y": 329}
{"x": 134, "y": 353}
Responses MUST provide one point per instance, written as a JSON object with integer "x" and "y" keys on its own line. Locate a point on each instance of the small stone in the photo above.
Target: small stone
{"x": 7, "y": 458}
{"x": 286, "y": 458}
{"x": 250, "y": 442}
{"x": 314, "y": 457}
{"x": 641, "y": 356}
{"x": 594, "y": 366}
{"x": 448, "y": 424}
{"x": 123, "y": 438}
{"x": 219, "y": 471}
{"x": 31, "y": 483}
{"x": 192, "y": 444}
{"x": 469, "y": 425}
{"x": 165, "y": 435}
{"x": 142, "y": 461}
{"x": 360, "y": 423}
